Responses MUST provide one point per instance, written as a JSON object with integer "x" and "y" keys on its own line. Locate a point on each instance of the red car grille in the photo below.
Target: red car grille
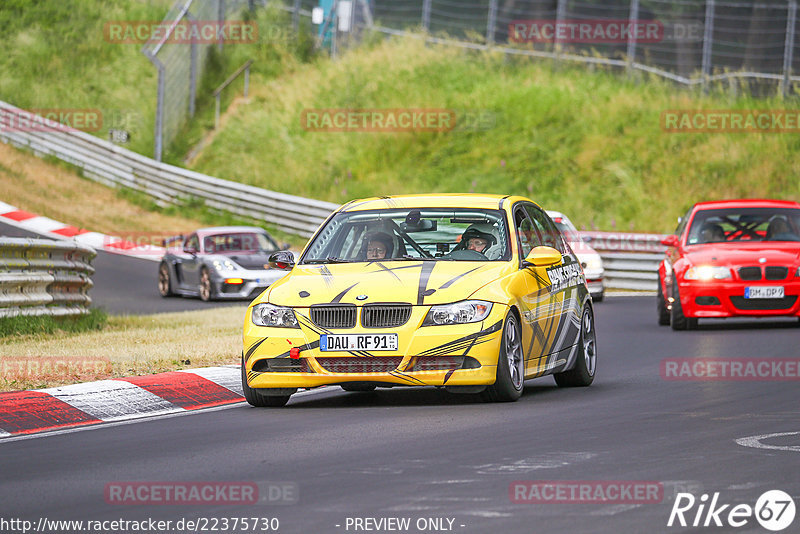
{"x": 772, "y": 272}
{"x": 382, "y": 364}
{"x": 750, "y": 273}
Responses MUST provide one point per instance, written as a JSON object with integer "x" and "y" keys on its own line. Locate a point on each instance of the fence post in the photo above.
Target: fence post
{"x": 220, "y": 20}
{"x": 561, "y": 12}
{"x": 159, "y": 128}
{"x": 192, "y": 70}
{"x": 788, "y": 49}
{"x": 426, "y": 15}
{"x": 633, "y": 17}
{"x": 492, "y": 22}
{"x": 296, "y": 16}
{"x": 708, "y": 37}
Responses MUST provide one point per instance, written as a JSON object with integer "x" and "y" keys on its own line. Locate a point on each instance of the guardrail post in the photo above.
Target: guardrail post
{"x": 788, "y": 48}
{"x": 426, "y": 15}
{"x": 491, "y": 24}
{"x": 633, "y": 18}
{"x": 708, "y": 38}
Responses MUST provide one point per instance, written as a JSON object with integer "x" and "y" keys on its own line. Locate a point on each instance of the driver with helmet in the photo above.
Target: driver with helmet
{"x": 478, "y": 237}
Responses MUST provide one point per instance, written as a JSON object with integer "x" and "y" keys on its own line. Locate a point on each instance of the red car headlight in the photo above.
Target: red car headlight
{"x": 706, "y": 273}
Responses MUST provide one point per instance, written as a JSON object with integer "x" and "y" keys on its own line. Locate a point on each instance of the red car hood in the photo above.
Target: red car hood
{"x": 744, "y": 253}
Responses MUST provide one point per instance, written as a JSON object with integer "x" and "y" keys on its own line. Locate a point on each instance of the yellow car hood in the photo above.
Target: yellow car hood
{"x": 414, "y": 282}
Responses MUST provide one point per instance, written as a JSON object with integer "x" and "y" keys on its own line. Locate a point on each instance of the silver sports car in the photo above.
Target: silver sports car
{"x": 224, "y": 262}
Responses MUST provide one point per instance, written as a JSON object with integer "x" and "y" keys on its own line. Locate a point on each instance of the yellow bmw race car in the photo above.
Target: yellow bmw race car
{"x": 474, "y": 293}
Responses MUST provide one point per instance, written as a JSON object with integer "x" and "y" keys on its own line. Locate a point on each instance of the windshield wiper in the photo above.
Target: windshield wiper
{"x": 329, "y": 260}
{"x": 423, "y": 258}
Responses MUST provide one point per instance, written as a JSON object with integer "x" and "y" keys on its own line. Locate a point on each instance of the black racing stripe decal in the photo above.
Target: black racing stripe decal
{"x": 424, "y": 276}
{"x": 253, "y": 347}
{"x": 338, "y": 298}
{"x": 464, "y": 340}
{"x": 400, "y": 374}
{"x": 388, "y": 270}
{"x": 453, "y": 280}
{"x": 448, "y": 375}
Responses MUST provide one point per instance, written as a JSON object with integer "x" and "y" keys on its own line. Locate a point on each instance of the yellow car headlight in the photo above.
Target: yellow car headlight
{"x": 467, "y": 311}
{"x": 705, "y": 273}
{"x": 269, "y": 315}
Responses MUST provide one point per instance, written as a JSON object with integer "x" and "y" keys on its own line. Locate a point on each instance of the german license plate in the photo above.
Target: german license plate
{"x": 763, "y": 292}
{"x": 331, "y": 342}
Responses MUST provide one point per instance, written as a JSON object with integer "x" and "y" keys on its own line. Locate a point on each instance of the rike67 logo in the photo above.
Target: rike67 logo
{"x": 774, "y": 510}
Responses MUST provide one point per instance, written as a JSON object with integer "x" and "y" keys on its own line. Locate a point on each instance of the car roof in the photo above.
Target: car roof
{"x": 438, "y": 200}
{"x": 213, "y": 230}
{"x": 747, "y": 203}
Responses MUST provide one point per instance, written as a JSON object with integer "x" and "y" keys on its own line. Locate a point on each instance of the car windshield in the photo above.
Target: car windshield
{"x": 412, "y": 234}
{"x": 744, "y": 224}
{"x": 238, "y": 242}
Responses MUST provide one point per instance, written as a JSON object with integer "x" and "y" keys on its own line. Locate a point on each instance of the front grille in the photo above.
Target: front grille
{"x": 764, "y": 304}
{"x": 750, "y": 273}
{"x": 282, "y": 365}
{"x": 334, "y": 316}
{"x": 776, "y": 273}
{"x": 382, "y": 364}
{"x": 385, "y": 315}
{"x": 437, "y": 363}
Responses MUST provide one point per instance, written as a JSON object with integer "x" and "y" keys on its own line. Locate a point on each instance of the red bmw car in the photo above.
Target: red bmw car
{"x": 731, "y": 258}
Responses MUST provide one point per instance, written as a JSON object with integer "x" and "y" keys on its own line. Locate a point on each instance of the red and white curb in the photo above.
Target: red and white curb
{"x": 58, "y": 230}
{"x": 107, "y": 401}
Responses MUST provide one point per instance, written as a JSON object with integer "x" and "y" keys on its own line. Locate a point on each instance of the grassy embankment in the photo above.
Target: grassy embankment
{"x": 589, "y": 143}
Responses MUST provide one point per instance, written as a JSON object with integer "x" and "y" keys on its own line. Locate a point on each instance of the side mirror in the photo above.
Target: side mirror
{"x": 283, "y": 259}
{"x": 190, "y": 250}
{"x": 542, "y": 257}
{"x": 670, "y": 241}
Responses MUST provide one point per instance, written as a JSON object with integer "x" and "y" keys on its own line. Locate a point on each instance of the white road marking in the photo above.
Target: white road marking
{"x": 42, "y": 225}
{"x": 112, "y": 400}
{"x": 755, "y": 442}
{"x": 614, "y": 510}
{"x": 229, "y": 378}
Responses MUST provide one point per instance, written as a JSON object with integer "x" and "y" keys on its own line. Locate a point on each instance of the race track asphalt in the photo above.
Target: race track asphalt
{"x": 421, "y": 453}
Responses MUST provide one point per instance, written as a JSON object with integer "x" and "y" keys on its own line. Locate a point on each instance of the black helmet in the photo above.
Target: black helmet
{"x": 480, "y": 230}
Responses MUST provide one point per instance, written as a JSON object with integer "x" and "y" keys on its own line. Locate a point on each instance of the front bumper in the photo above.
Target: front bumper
{"x": 253, "y": 283}
{"x": 473, "y": 347}
{"x": 726, "y": 299}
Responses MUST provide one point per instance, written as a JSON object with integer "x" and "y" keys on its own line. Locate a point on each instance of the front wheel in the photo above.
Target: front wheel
{"x": 206, "y": 290}
{"x": 678, "y": 320}
{"x": 510, "y": 365}
{"x": 257, "y": 399}
{"x": 164, "y": 282}
{"x": 583, "y": 373}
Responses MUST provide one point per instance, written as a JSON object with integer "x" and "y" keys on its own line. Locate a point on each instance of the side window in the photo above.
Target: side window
{"x": 551, "y": 237}
{"x": 682, "y": 224}
{"x": 526, "y": 232}
{"x": 192, "y": 242}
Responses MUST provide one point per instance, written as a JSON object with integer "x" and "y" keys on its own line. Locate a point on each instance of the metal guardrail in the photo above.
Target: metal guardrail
{"x": 630, "y": 259}
{"x": 115, "y": 166}
{"x": 44, "y": 277}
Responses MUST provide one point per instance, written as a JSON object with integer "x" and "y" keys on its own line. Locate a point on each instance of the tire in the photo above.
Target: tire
{"x": 206, "y": 289}
{"x": 661, "y": 307}
{"x": 582, "y": 374}
{"x": 510, "y": 377}
{"x": 255, "y": 398}
{"x": 677, "y": 319}
{"x": 357, "y": 387}
{"x": 164, "y": 281}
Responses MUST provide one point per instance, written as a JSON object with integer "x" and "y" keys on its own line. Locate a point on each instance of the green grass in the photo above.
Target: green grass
{"x": 24, "y": 325}
{"x": 585, "y": 142}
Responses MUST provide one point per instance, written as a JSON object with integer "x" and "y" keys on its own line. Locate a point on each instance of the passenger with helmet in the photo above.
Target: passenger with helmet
{"x": 478, "y": 237}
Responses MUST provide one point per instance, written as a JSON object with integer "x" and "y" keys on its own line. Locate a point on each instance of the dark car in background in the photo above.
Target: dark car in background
{"x": 223, "y": 262}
